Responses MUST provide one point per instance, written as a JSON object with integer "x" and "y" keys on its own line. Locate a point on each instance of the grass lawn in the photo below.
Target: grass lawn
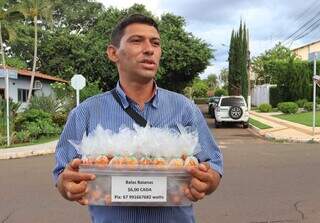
{"x": 258, "y": 124}
{"x": 304, "y": 118}
{"x": 39, "y": 141}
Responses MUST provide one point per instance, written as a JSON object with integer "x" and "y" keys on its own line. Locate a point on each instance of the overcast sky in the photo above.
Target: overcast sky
{"x": 268, "y": 21}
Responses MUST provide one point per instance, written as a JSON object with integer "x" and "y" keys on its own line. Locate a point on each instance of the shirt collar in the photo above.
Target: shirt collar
{"x": 125, "y": 100}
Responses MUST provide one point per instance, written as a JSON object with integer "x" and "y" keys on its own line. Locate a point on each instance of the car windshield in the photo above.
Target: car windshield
{"x": 232, "y": 102}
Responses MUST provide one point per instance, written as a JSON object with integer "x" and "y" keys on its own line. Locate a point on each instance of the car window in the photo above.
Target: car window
{"x": 216, "y": 100}
{"x": 232, "y": 102}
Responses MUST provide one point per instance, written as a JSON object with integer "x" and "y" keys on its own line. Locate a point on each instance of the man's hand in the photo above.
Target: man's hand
{"x": 73, "y": 185}
{"x": 204, "y": 181}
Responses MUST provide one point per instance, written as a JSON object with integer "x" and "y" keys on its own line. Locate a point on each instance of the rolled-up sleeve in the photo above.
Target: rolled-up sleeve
{"x": 74, "y": 129}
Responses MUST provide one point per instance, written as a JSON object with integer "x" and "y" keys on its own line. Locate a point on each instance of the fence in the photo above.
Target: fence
{"x": 260, "y": 94}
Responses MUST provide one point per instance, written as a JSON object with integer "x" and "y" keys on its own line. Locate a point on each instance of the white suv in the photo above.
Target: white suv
{"x": 232, "y": 109}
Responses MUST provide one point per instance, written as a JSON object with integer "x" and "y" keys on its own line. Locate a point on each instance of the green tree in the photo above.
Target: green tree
{"x": 16, "y": 62}
{"x": 78, "y": 16}
{"x": 184, "y": 56}
{"x": 282, "y": 67}
{"x": 35, "y": 10}
{"x": 188, "y": 92}
{"x": 234, "y": 72}
{"x": 223, "y": 76}
{"x": 7, "y": 32}
{"x": 238, "y": 62}
{"x": 200, "y": 88}
{"x": 89, "y": 90}
{"x": 220, "y": 92}
{"x": 78, "y": 39}
{"x": 212, "y": 81}
{"x": 264, "y": 65}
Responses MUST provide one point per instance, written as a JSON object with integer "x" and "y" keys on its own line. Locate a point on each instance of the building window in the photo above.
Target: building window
{"x": 23, "y": 95}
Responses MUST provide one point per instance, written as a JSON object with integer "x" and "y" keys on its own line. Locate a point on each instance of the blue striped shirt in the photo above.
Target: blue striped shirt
{"x": 165, "y": 109}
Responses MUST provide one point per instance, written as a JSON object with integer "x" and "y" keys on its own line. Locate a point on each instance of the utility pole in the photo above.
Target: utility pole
{"x": 314, "y": 93}
{"x": 249, "y": 79}
{"x": 7, "y": 93}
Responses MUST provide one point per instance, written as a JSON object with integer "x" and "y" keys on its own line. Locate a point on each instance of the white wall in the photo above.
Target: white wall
{"x": 261, "y": 94}
{"x": 23, "y": 83}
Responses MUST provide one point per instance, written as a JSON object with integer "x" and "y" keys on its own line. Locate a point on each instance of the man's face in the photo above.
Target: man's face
{"x": 138, "y": 54}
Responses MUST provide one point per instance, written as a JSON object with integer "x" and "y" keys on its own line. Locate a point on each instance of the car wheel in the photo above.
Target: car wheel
{"x": 212, "y": 114}
{"x": 235, "y": 112}
{"x": 245, "y": 125}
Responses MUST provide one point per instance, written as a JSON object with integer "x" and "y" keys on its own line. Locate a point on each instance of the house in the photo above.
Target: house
{"x": 19, "y": 82}
{"x": 306, "y": 51}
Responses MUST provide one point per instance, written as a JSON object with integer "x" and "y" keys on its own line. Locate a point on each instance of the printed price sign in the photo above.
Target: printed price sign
{"x": 138, "y": 189}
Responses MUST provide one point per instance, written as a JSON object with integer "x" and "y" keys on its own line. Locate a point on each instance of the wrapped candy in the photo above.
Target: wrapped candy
{"x": 148, "y": 146}
{"x": 115, "y": 161}
{"x": 140, "y": 154}
{"x": 176, "y": 163}
{"x": 101, "y": 161}
{"x": 145, "y": 161}
{"x": 191, "y": 161}
{"x": 159, "y": 162}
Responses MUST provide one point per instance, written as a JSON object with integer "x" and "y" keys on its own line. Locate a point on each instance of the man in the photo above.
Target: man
{"x": 136, "y": 50}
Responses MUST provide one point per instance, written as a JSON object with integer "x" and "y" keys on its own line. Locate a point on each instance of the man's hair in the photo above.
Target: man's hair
{"x": 118, "y": 31}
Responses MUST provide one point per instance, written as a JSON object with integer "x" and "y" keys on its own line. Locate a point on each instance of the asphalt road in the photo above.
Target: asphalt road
{"x": 264, "y": 182}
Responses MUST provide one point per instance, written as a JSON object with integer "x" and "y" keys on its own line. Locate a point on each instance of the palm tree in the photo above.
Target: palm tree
{"x": 35, "y": 9}
{"x": 212, "y": 81}
{"x": 5, "y": 26}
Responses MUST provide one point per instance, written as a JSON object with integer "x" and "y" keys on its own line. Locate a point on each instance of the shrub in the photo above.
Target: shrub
{"x": 301, "y": 102}
{"x": 3, "y": 140}
{"x": 201, "y": 100}
{"x": 60, "y": 118}
{"x": 65, "y": 94}
{"x": 12, "y": 105}
{"x": 29, "y": 116}
{"x": 37, "y": 123}
{"x": 42, "y": 128}
{"x": 265, "y": 108}
{"x": 90, "y": 90}
{"x": 62, "y": 90}
{"x": 275, "y": 96}
{"x": 45, "y": 103}
{"x": 220, "y": 92}
{"x": 288, "y": 107}
{"x": 34, "y": 129}
{"x": 20, "y": 137}
{"x": 308, "y": 106}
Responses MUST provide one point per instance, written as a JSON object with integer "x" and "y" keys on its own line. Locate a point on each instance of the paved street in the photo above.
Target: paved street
{"x": 264, "y": 182}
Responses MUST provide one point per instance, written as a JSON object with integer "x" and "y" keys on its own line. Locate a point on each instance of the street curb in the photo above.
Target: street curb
{"x": 289, "y": 124}
{"x": 257, "y": 130}
{"x": 27, "y": 151}
{"x": 285, "y": 140}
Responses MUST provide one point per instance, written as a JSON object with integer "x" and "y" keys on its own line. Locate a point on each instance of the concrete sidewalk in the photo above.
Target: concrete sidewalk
{"x": 25, "y": 151}
{"x": 283, "y": 130}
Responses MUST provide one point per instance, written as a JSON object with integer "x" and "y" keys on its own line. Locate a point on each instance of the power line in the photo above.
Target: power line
{"x": 303, "y": 26}
{"x": 313, "y": 26}
{"x": 306, "y": 12}
{"x": 313, "y": 6}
